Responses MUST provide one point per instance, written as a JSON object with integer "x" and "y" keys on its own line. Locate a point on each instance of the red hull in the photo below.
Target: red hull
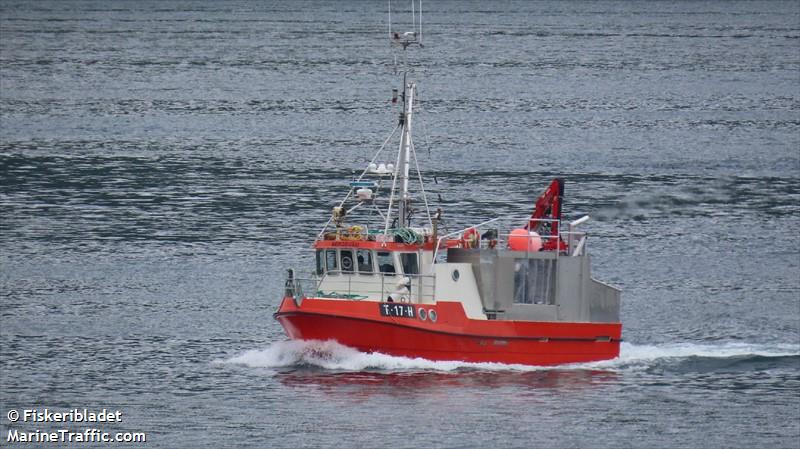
{"x": 360, "y": 325}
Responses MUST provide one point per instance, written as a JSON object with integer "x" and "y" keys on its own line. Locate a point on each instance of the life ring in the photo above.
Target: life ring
{"x": 470, "y": 238}
{"x": 347, "y": 262}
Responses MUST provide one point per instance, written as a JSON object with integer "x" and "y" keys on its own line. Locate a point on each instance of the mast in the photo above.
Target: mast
{"x": 403, "y": 167}
{"x": 401, "y": 172}
{"x": 404, "y": 205}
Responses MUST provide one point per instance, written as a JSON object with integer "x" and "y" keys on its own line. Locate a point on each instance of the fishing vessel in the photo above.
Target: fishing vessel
{"x": 389, "y": 279}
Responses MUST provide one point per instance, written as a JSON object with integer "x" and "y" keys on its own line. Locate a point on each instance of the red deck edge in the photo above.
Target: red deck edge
{"x": 371, "y": 244}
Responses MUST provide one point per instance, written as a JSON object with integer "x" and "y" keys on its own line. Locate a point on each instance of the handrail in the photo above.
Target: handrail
{"x": 439, "y": 240}
{"x": 579, "y": 221}
{"x": 568, "y": 234}
{"x": 574, "y": 250}
{"x": 361, "y": 287}
{"x": 579, "y": 248}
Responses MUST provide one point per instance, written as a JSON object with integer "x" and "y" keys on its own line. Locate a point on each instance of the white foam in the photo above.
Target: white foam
{"x": 632, "y": 354}
{"x": 721, "y": 350}
{"x": 333, "y": 356}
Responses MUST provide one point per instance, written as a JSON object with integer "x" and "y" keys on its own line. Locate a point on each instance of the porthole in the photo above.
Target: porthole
{"x": 432, "y": 315}
{"x": 456, "y": 275}
{"x": 422, "y": 314}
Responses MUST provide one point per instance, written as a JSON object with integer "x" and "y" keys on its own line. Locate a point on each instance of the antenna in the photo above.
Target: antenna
{"x": 413, "y": 19}
{"x": 420, "y": 23}
{"x": 406, "y": 38}
{"x": 402, "y": 38}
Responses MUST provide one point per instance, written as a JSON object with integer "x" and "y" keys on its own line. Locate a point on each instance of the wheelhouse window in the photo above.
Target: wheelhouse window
{"x": 320, "y": 263}
{"x": 346, "y": 256}
{"x": 409, "y": 261}
{"x": 364, "y": 261}
{"x": 331, "y": 262}
{"x": 386, "y": 262}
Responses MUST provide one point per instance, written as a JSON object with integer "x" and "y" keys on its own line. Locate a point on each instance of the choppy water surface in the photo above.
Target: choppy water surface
{"x": 162, "y": 163}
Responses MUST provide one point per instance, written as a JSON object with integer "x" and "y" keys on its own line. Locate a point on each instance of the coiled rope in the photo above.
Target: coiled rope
{"x": 408, "y": 235}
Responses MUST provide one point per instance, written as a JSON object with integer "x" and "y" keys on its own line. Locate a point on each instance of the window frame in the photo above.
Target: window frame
{"x": 390, "y": 256}
{"x": 369, "y": 263}
{"x": 335, "y": 259}
{"x": 352, "y": 261}
{"x": 415, "y": 259}
{"x": 320, "y": 262}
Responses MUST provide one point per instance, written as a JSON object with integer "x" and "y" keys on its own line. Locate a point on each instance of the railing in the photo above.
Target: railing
{"x": 575, "y": 240}
{"x": 296, "y": 286}
{"x": 419, "y": 288}
{"x": 414, "y": 288}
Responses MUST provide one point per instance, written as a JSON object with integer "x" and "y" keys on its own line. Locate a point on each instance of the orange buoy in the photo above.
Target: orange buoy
{"x": 522, "y": 240}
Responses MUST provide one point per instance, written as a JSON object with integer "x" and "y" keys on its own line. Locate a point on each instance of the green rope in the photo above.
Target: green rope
{"x": 408, "y": 235}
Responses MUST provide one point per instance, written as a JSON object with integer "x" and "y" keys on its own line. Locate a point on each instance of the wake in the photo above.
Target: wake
{"x": 330, "y": 355}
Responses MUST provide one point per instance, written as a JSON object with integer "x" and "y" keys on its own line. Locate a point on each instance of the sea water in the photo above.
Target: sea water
{"x": 162, "y": 164}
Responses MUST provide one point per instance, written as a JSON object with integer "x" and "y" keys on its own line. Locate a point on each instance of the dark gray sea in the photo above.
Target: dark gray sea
{"x": 162, "y": 163}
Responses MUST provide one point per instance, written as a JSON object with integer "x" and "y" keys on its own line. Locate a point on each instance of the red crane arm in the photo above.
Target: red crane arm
{"x": 548, "y": 207}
